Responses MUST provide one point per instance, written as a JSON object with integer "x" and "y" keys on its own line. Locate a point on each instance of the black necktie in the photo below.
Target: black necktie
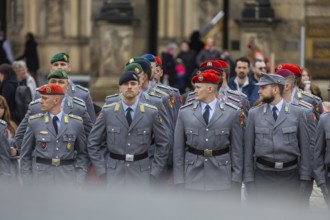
{"x": 274, "y": 113}
{"x": 55, "y": 118}
{"x": 128, "y": 115}
{"x": 206, "y": 114}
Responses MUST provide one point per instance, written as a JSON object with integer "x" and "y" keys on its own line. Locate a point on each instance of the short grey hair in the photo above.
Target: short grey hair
{"x": 18, "y": 65}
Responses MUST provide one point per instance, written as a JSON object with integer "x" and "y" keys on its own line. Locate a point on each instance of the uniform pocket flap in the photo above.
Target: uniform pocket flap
{"x": 192, "y": 131}
{"x": 289, "y": 130}
{"x": 144, "y": 131}
{"x": 112, "y": 163}
{"x": 145, "y": 164}
{"x": 260, "y": 130}
{"x": 224, "y": 162}
{"x": 69, "y": 137}
{"x": 190, "y": 158}
{"x": 221, "y": 131}
{"x": 43, "y": 138}
{"x": 113, "y": 129}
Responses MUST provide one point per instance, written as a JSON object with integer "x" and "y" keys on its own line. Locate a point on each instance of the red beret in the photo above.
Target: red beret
{"x": 51, "y": 89}
{"x": 158, "y": 60}
{"x": 288, "y": 66}
{"x": 206, "y": 76}
{"x": 284, "y": 72}
{"x": 211, "y": 65}
{"x": 223, "y": 64}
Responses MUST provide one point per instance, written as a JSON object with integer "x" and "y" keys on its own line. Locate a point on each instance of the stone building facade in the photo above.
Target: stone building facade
{"x": 100, "y": 47}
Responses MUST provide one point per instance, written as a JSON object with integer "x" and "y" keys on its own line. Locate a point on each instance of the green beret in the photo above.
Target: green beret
{"x": 134, "y": 67}
{"x": 59, "y": 57}
{"x": 137, "y": 58}
{"x": 58, "y": 74}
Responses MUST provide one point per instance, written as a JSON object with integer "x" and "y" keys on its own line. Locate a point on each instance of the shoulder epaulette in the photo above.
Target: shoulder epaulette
{"x": 191, "y": 100}
{"x": 110, "y": 96}
{"x": 78, "y": 99}
{"x": 234, "y": 99}
{"x": 3, "y": 122}
{"x": 161, "y": 92}
{"x": 310, "y": 95}
{"x": 237, "y": 93}
{"x": 174, "y": 89}
{"x": 154, "y": 95}
{"x": 163, "y": 87}
{"x": 186, "y": 105}
{"x": 75, "y": 117}
{"x": 191, "y": 93}
{"x": 35, "y": 102}
{"x": 32, "y": 117}
{"x": 82, "y": 88}
{"x": 79, "y": 103}
{"x": 317, "y": 98}
{"x": 150, "y": 106}
{"x": 110, "y": 105}
{"x": 305, "y": 104}
{"x": 232, "y": 105}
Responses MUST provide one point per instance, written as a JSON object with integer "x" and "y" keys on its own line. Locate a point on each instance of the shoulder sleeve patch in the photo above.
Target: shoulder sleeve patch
{"x": 186, "y": 105}
{"x": 82, "y": 88}
{"x": 75, "y": 117}
{"x": 32, "y": 117}
{"x": 232, "y": 105}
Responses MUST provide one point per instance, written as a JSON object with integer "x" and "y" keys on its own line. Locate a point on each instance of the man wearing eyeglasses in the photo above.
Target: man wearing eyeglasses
{"x": 259, "y": 66}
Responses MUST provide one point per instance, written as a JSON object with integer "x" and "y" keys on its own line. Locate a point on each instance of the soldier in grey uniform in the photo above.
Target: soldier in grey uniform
{"x": 128, "y": 127}
{"x": 277, "y": 145}
{"x": 61, "y": 61}
{"x": 70, "y": 105}
{"x": 145, "y": 98}
{"x": 208, "y": 141}
{"x": 321, "y": 163}
{"x": 5, "y": 163}
{"x": 54, "y": 148}
{"x": 315, "y": 101}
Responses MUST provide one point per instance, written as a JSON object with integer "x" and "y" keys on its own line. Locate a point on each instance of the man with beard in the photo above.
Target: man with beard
{"x": 277, "y": 146}
{"x": 241, "y": 82}
{"x": 258, "y": 67}
{"x": 127, "y": 127}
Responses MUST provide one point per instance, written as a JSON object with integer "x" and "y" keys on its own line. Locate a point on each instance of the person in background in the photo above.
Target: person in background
{"x": 326, "y": 106}
{"x": 180, "y": 82}
{"x": 195, "y": 43}
{"x": 8, "y": 87}
{"x": 258, "y": 67}
{"x": 168, "y": 64}
{"x": 210, "y": 52}
{"x": 188, "y": 57}
{"x": 307, "y": 85}
{"x": 6, "y": 54}
{"x": 9, "y": 133}
{"x": 31, "y": 55}
{"x": 24, "y": 77}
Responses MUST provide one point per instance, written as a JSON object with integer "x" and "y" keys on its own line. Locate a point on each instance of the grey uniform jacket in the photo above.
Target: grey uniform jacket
{"x": 40, "y": 140}
{"x": 322, "y": 149}
{"x": 123, "y": 139}
{"x": 71, "y": 106}
{"x": 208, "y": 173}
{"x": 282, "y": 140}
{"x": 5, "y": 163}
{"x": 315, "y": 101}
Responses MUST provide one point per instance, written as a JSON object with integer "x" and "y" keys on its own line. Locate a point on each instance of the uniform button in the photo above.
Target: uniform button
{"x": 57, "y": 148}
{"x": 207, "y": 129}
{"x": 222, "y": 132}
{"x": 56, "y": 156}
{"x": 129, "y": 134}
{"x": 129, "y": 144}
{"x": 43, "y": 139}
{"x": 112, "y": 129}
{"x": 144, "y": 132}
{"x": 205, "y": 160}
{"x": 127, "y": 164}
{"x": 206, "y": 139}
{"x": 190, "y": 131}
{"x": 56, "y": 141}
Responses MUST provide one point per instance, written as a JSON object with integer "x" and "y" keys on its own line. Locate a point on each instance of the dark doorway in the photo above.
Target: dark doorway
{"x": 153, "y": 26}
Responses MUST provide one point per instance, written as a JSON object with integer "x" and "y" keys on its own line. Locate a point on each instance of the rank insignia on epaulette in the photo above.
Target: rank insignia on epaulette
{"x": 82, "y": 104}
{"x": 43, "y": 132}
{"x": 232, "y": 105}
{"x": 69, "y": 146}
{"x": 150, "y": 106}
{"x": 32, "y": 117}
{"x": 233, "y": 99}
{"x": 75, "y": 117}
{"x": 110, "y": 96}
{"x": 66, "y": 120}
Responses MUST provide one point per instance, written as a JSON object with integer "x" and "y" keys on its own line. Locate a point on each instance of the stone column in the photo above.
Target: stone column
{"x": 114, "y": 42}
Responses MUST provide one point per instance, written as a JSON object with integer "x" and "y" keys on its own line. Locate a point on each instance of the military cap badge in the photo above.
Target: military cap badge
{"x": 209, "y": 63}
{"x": 279, "y": 67}
{"x": 131, "y": 60}
{"x": 48, "y": 90}
{"x": 200, "y": 77}
{"x": 136, "y": 70}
